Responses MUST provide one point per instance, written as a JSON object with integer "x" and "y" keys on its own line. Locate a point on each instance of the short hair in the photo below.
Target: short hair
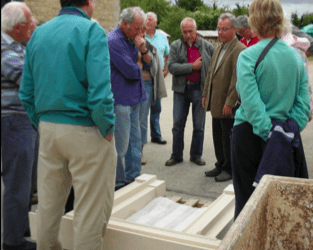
{"x": 231, "y": 17}
{"x": 266, "y": 17}
{"x": 77, "y": 3}
{"x": 11, "y": 14}
{"x": 242, "y": 22}
{"x": 128, "y": 14}
{"x": 150, "y": 13}
{"x": 190, "y": 19}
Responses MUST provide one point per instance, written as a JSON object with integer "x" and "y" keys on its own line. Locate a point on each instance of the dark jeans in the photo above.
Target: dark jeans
{"x": 180, "y": 113}
{"x": 246, "y": 153}
{"x": 221, "y": 129}
{"x": 155, "y": 118}
{"x": 18, "y": 139}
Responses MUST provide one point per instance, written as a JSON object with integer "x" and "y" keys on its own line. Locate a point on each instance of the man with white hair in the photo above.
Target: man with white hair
{"x": 18, "y": 137}
{"x": 125, "y": 42}
{"x": 159, "y": 40}
{"x": 189, "y": 61}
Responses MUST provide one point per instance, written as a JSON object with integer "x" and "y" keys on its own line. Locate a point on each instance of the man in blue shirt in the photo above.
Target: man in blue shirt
{"x": 159, "y": 40}
{"x": 18, "y": 137}
{"x": 128, "y": 88}
{"x": 66, "y": 91}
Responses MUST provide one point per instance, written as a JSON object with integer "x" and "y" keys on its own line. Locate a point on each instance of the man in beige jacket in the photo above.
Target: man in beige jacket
{"x": 220, "y": 96}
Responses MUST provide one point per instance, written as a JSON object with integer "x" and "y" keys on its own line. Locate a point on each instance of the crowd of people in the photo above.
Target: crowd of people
{"x": 75, "y": 107}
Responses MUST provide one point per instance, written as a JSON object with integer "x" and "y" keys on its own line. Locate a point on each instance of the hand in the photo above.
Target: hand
{"x": 165, "y": 72}
{"x": 227, "y": 111}
{"x": 109, "y": 137}
{"x": 140, "y": 43}
{"x": 197, "y": 64}
{"x": 204, "y": 101}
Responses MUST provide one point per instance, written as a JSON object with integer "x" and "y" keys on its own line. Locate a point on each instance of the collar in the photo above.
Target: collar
{"x": 73, "y": 11}
{"x": 225, "y": 45}
{"x": 7, "y": 38}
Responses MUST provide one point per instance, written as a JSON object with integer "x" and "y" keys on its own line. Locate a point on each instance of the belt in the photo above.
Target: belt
{"x": 190, "y": 83}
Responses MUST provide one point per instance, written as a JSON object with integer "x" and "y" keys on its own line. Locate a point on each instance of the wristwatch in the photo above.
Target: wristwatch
{"x": 145, "y": 52}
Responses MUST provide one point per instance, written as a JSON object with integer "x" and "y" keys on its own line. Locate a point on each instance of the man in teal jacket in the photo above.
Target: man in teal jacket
{"x": 66, "y": 91}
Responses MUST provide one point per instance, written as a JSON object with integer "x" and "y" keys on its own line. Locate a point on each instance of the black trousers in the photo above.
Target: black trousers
{"x": 246, "y": 153}
{"x": 221, "y": 129}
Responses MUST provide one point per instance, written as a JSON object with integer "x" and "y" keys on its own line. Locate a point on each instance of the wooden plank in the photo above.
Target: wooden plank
{"x": 176, "y": 199}
{"x": 192, "y": 202}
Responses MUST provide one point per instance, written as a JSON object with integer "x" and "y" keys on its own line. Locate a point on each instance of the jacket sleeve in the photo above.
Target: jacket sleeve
{"x": 175, "y": 65}
{"x": 301, "y": 109}
{"x": 251, "y": 101}
{"x": 99, "y": 96}
{"x": 26, "y": 92}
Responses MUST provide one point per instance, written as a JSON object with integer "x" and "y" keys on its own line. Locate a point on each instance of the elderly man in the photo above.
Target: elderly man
{"x": 220, "y": 96}
{"x": 125, "y": 42}
{"x": 243, "y": 29}
{"x": 66, "y": 90}
{"x": 159, "y": 40}
{"x": 189, "y": 60}
{"x": 18, "y": 137}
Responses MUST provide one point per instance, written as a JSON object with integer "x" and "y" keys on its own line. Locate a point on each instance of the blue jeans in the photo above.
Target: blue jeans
{"x": 155, "y": 119}
{"x": 18, "y": 139}
{"x": 144, "y": 111}
{"x": 180, "y": 112}
{"x": 128, "y": 143}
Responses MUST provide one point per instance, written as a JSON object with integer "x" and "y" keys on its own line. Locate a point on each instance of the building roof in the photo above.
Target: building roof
{"x": 208, "y": 33}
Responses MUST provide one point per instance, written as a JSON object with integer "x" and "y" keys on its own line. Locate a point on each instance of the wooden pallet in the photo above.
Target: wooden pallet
{"x": 205, "y": 232}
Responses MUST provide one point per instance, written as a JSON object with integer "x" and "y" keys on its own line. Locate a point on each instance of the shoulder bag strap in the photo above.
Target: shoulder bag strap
{"x": 264, "y": 52}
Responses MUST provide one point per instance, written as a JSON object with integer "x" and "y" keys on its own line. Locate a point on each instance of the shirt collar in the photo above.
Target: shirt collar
{"x": 7, "y": 38}
{"x": 225, "y": 45}
{"x": 73, "y": 11}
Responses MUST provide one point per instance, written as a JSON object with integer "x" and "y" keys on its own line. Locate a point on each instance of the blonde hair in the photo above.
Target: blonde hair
{"x": 266, "y": 17}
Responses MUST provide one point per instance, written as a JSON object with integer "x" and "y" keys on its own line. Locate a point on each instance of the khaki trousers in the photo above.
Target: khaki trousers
{"x": 79, "y": 156}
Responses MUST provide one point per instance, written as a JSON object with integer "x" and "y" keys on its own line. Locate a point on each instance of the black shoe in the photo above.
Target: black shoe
{"x": 27, "y": 233}
{"x": 119, "y": 187}
{"x": 173, "y": 161}
{"x": 28, "y": 245}
{"x": 223, "y": 176}
{"x": 158, "y": 140}
{"x": 213, "y": 173}
{"x": 198, "y": 160}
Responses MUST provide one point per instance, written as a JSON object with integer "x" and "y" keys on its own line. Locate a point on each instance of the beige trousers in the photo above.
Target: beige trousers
{"x": 79, "y": 156}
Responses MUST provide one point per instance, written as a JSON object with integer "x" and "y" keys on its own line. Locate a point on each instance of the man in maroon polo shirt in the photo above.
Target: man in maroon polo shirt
{"x": 189, "y": 73}
{"x": 244, "y": 30}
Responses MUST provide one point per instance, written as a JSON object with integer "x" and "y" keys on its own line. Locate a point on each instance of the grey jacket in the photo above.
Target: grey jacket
{"x": 159, "y": 89}
{"x": 178, "y": 64}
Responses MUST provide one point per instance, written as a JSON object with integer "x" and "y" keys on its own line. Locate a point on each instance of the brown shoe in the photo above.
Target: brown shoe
{"x": 212, "y": 173}
{"x": 172, "y": 162}
{"x": 198, "y": 160}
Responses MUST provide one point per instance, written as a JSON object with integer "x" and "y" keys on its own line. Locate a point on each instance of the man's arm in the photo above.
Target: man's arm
{"x": 99, "y": 95}
{"x": 165, "y": 70}
{"x": 12, "y": 65}
{"x": 27, "y": 91}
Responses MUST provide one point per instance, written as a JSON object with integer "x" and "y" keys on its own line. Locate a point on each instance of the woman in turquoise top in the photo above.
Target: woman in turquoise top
{"x": 276, "y": 90}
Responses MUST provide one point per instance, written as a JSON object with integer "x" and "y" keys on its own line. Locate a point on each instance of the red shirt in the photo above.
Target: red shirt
{"x": 193, "y": 54}
{"x": 253, "y": 41}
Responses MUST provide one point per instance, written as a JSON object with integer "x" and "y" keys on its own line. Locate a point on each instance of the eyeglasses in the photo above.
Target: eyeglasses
{"x": 223, "y": 29}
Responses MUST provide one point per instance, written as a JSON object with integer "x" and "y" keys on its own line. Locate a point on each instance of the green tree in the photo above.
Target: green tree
{"x": 189, "y": 5}
{"x": 241, "y": 10}
{"x": 159, "y": 7}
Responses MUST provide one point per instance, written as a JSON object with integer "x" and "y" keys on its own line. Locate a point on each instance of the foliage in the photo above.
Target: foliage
{"x": 303, "y": 21}
{"x": 159, "y": 7}
{"x": 189, "y": 5}
{"x": 241, "y": 10}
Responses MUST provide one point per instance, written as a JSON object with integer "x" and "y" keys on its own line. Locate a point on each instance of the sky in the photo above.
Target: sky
{"x": 290, "y": 6}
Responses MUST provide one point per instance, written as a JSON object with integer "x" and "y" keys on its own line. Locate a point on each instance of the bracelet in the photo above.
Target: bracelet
{"x": 143, "y": 53}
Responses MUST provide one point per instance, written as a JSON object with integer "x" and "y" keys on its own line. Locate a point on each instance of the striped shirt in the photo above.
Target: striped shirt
{"x": 12, "y": 63}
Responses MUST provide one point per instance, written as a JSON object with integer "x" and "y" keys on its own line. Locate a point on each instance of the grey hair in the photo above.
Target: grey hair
{"x": 188, "y": 18}
{"x": 242, "y": 22}
{"x": 287, "y": 25}
{"x": 231, "y": 17}
{"x": 11, "y": 14}
{"x": 150, "y": 13}
{"x": 128, "y": 14}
